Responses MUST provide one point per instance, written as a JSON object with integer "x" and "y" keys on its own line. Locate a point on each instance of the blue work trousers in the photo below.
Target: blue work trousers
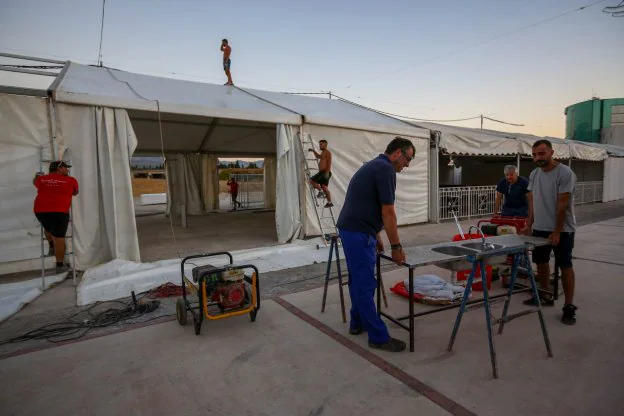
{"x": 360, "y": 253}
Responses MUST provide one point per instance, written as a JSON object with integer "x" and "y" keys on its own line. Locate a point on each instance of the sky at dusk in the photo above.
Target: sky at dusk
{"x": 436, "y": 60}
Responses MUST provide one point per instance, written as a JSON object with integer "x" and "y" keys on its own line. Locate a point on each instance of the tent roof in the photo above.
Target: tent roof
{"x": 471, "y": 141}
{"x": 92, "y": 85}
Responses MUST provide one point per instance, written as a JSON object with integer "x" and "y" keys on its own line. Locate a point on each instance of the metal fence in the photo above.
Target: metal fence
{"x": 588, "y": 192}
{"x": 475, "y": 201}
{"x": 467, "y": 201}
{"x": 250, "y": 190}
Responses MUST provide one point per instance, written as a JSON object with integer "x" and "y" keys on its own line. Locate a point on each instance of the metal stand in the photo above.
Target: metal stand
{"x": 505, "y": 318}
{"x": 333, "y": 250}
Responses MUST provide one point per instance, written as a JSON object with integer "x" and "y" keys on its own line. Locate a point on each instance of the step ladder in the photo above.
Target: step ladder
{"x": 69, "y": 252}
{"x": 325, "y": 216}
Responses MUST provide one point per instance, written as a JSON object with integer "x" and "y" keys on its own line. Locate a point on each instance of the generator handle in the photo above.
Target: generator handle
{"x": 196, "y": 256}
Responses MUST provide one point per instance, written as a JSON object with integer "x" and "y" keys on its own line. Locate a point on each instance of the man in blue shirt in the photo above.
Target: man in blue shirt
{"x": 369, "y": 207}
{"x": 514, "y": 189}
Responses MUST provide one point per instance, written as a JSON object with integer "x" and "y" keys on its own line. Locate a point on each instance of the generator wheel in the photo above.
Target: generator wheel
{"x": 181, "y": 311}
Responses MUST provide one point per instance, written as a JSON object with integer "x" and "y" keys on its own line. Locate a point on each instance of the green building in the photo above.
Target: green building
{"x": 586, "y": 120}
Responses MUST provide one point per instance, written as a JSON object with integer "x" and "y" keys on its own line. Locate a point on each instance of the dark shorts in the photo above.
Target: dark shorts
{"x": 54, "y": 222}
{"x": 322, "y": 178}
{"x": 227, "y": 64}
{"x": 563, "y": 251}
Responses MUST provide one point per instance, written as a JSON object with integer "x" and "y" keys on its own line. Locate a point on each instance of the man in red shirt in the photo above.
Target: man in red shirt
{"x": 52, "y": 204}
{"x": 234, "y": 192}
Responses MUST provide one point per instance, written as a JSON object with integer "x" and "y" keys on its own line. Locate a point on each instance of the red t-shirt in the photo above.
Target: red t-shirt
{"x": 54, "y": 192}
{"x": 233, "y": 187}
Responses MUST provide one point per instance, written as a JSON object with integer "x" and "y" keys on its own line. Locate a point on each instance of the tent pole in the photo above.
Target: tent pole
{"x": 518, "y": 163}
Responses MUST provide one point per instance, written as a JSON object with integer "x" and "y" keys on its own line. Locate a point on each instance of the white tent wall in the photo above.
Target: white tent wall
{"x": 24, "y": 134}
{"x": 270, "y": 182}
{"x": 350, "y": 150}
{"x": 192, "y": 182}
{"x": 210, "y": 181}
{"x": 613, "y": 186}
{"x": 101, "y": 141}
{"x": 184, "y": 183}
{"x": 288, "y": 201}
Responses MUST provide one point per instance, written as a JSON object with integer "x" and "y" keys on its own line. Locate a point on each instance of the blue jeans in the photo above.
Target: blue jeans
{"x": 360, "y": 253}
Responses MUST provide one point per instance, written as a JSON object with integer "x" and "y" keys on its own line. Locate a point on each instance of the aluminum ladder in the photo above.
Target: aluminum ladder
{"x": 69, "y": 237}
{"x": 325, "y": 216}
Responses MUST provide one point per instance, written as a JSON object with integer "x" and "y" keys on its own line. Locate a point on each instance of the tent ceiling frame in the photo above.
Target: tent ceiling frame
{"x": 208, "y": 134}
{"x": 269, "y": 126}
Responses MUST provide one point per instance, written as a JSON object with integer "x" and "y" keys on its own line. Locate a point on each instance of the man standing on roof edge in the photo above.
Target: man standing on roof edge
{"x": 227, "y": 62}
{"x": 369, "y": 207}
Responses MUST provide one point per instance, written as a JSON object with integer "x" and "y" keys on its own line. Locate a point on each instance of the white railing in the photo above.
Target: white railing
{"x": 250, "y": 190}
{"x": 475, "y": 201}
{"x": 467, "y": 201}
{"x": 588, "y": 192}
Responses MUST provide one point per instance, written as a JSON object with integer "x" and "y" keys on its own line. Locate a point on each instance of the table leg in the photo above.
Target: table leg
{"x": 488, "y": 318}
{"x": 512, "y": 282}
{"x": 462, "y": 308}
{"x": 327, "y": 273}
{"x": 539, "y": 309}
{"x": 342, "y": 301}
{"x": 411, "y": 309}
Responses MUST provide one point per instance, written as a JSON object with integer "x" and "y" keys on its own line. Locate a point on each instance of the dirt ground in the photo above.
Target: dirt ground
{"x": 142, "y": 186}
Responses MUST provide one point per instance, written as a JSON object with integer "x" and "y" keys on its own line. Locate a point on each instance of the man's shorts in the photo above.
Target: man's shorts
{"x": 563, "y": 250}
{"x": 54, "y": 222}
{"x": 227, "y": 64}
{"x": 322, "y": 178}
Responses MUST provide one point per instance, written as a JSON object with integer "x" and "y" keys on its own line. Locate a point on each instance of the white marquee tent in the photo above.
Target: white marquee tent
{"x": 98, "y": 117}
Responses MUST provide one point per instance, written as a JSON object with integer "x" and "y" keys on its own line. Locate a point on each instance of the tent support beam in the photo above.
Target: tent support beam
{"x": 211, "y": 130}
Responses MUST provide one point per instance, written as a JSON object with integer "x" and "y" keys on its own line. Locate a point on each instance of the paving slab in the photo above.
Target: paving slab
{"x": 276, "y": 366}
{"x": 584, "y": 376}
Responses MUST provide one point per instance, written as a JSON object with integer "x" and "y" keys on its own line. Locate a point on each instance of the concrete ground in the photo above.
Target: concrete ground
{"x": 303, "y": 362}
{"x": 210, "y": 232}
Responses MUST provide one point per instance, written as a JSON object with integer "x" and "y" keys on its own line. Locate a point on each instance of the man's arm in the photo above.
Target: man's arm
{"x": 529, "y": 222}
{"x": 316, "y": 154}
{"x": 388, "y": 214}
{"x": 562, "y": 205}
{"x": 35, "y": 178}
{"x": 497, "y": 203}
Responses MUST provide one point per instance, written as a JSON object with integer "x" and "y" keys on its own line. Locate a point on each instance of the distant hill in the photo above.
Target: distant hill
{"x": 146, "y": 162}
{"x": 156, "y": 162}
{"x": 244, "y": 163}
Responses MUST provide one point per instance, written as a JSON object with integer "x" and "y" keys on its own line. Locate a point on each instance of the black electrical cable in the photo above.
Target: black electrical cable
{"x": 79, "y": 324}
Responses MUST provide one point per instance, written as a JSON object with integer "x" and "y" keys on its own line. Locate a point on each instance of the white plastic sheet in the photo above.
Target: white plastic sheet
{"x": 352, "y": 148}
{"x": 184, "y": 183}
{"x": 101, "y": 141}
{"x": 23, "y": 135}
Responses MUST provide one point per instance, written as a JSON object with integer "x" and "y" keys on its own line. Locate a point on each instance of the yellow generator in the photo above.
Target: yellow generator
{"x": 221, "y": 292}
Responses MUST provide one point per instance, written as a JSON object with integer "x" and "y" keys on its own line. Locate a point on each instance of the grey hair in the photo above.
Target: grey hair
{"x": 509, "y": 168}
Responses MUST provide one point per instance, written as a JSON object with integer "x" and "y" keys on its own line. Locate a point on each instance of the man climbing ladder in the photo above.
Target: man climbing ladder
{"x": 320, "y": 181}
{"x": 52, "y": 204}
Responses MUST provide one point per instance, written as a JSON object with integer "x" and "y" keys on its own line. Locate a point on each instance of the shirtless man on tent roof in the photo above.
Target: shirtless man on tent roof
{"x": 227, "y": 62}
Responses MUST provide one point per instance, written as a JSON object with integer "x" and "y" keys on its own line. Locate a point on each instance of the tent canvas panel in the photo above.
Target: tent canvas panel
{"x": 350, "y": 150}
{"x": 24, "y": 140}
